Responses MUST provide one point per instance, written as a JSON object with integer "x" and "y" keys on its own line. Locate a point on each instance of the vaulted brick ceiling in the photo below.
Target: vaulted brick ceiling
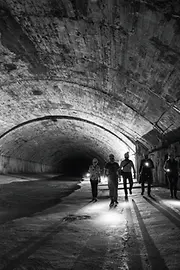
{"x": 87, "y": 76}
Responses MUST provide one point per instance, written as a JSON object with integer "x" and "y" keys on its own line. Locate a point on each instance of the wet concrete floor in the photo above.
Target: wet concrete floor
{"x": 140, "y": 233}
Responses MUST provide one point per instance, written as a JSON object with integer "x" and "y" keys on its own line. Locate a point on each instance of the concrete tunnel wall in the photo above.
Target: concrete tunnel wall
{"x": 10, "y": 165}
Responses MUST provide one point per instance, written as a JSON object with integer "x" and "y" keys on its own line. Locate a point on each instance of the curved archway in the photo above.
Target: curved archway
{"x": 51, "y": 139}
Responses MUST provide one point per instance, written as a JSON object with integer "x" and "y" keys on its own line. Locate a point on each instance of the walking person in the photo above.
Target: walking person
{"x": 146, "y": 175}
{"x": 95, "y": 173}
{"x": 125, "y": 170}
{"x": 111, "y": 171}
{"x": 171, "y": 167}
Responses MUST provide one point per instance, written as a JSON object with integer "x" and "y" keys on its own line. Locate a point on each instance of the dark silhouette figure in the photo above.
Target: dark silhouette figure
{"x": 125, "y": 170}
{"x": 171, "y": 168}
{"x": 146, "y": 175}
{"x": 111, "y": 171}
{"x": 166, "y": 178}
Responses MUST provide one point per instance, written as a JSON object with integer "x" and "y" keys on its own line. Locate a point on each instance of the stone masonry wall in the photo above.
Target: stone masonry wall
{"x": 10, "y": 165}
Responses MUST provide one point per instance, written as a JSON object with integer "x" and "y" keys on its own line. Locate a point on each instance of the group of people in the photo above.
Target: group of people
{"x": 114, "y": 171}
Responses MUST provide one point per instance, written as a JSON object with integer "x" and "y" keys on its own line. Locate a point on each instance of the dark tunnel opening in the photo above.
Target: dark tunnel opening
{"x": 75, "y": 166}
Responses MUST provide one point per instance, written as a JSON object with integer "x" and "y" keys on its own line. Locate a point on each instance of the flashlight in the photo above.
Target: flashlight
{"x": 146, "y": 164}
{"x": 104, "y": 179}
{"x": 168, "y": 170}
{"x": 87, "y": 175}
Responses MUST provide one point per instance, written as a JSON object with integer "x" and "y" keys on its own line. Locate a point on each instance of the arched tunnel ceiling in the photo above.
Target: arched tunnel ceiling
{"x": 113, "y": 63}
{"x": 51, "y": 140}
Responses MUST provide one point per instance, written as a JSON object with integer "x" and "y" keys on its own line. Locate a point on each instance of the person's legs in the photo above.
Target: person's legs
{"x": 130, "y": 182}
{"x": 172, "y": 188}
{"x": 111, "y": 191}
{"x": 125, "y": 184}
{"x": 149, "y": 183}
{"x": 116, "y": 192}
{"x": 171, "y": 185}
{"x": 142, "y": 187}
{"x": 149, "y": 188}
{"x": 166, "y": 180}
{"x": 92, "y": 188}
{"x": 95, "y": 189}
{"x": 175, "y": 180}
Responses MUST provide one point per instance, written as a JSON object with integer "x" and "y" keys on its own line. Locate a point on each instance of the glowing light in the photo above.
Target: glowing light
{"x": 104, "y": 179}
{"x": 111, "y": 218}
{"x": 168, "y": 170}
{"x": 86, "y": 176}
{"x": 173, "y": 202}
{"x": 93, "y": 208}
{"x": 147, "y": 164}
{"x": 102, "y": 216}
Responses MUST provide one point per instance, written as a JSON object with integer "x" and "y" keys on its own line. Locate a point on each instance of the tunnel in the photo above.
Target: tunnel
{"x": 61, "y": 144}
{"x": 83, "y": 79}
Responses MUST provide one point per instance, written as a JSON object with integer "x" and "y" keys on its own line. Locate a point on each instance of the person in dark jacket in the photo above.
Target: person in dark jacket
{"x": 126, "y": 168}
{"x": 171, "y": 167}
{"x": 111, "y": 171}
{"x": 146, "y": 175}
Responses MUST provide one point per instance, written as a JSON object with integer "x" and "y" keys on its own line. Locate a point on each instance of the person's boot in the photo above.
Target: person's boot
{"x": 175, "y": 195}
{"x": 111, "y": 203}
{"x": 115, "y": 204}
{"x": 142, "y": 189}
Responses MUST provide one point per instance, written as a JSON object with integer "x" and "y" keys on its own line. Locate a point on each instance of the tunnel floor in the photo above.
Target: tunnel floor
{"x": 74, "y": 233}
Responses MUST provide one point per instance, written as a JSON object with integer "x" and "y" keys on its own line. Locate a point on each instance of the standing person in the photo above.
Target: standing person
{"x": 125, "y": 170}
{"x": 145, "y": 172}
{"x": 95, "y": 173}
{"x": 111, "y": 171}
{"x": 171, "y": 168}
